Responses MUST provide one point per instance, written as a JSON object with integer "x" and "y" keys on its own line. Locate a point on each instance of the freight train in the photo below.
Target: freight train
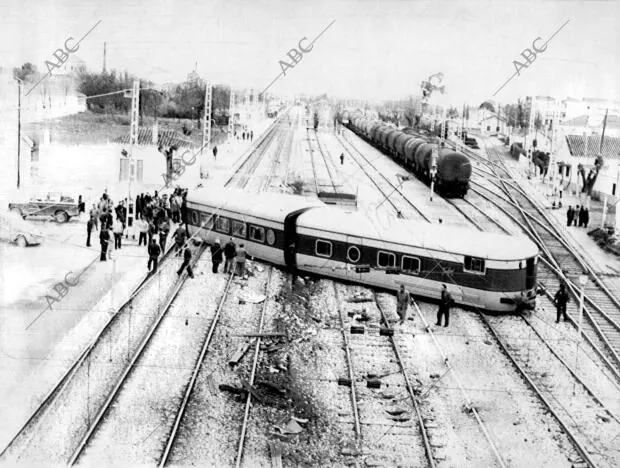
{"x": 415, "y": 152}
{"x": 485, "y": 270}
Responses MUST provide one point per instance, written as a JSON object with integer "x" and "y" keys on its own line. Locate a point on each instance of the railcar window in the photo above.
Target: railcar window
{"x": 271, "y": 237}
{"x": 474, "y": 264}
{"x": 257, "y": 233}
{"x": 206, "y": 220}
{"x": 410, "y": 265}
{"x": 386, "y": 259}
{"x": 354, "y": 254}
{"x": 323, "y": 248}
{"x": 194, "y": 218}
{"x": 238, "y": 229}
{"x": 222, "y": 225}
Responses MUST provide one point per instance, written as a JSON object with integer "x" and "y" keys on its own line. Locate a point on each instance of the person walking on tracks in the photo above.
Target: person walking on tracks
{"x": 104, "y": 239}
{"x": 118, "y": 232}
{"x": 560, "y": 300}
{"x": 216, "y": 255}
{"x": 402, "y": 300}
{"x": 444, "y": 306}
{"x": 576, "y": 215}
{"x": 341, "y": 159}
{"x": 154, "y": 252}
{"x": 179, "y": 239}
{"x": 230, "y": 251}
{"x": 164, "y": 229}
{"x": 240, "y": 260}
{"x": 187, "y": 257}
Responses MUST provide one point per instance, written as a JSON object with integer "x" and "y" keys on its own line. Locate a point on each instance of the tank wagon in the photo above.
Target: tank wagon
{"x": 415, "y": 152}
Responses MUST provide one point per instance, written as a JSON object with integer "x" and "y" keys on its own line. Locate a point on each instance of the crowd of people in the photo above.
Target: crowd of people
{"x": 578, "y": 214}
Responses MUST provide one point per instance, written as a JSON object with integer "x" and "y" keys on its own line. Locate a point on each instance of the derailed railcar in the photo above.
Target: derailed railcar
{"x": 485, "y": 270}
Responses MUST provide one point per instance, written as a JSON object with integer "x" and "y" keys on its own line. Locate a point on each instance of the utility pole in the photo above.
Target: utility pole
{"x": 600, "y": 148}
{"x": 105, "y": 49}
{"x": 133, "y": 133}
{"x": 206, "y": 125}
{"x": 231, "y": 116}
{"x": 19, "y": 127}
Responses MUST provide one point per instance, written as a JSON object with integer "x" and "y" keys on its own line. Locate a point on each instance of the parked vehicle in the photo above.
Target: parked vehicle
{"x": 60, "y": 206}
{"x": 15, "y": 230}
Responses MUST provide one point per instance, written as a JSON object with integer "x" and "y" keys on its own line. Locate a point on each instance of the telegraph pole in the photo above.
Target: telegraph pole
{"x": 206, "y": 125}
{"x": 19, "y": 127}
{"x": 231, "y": 115}
{"x": 133, "y": 132}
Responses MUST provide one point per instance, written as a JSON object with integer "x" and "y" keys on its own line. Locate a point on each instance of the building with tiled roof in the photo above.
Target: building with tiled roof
{"x": 610, "y": 150}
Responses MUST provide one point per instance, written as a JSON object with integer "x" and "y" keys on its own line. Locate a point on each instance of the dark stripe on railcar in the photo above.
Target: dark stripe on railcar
{"x": 443, "y": 271}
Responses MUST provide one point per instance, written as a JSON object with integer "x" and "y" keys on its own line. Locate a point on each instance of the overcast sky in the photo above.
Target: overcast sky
{"x": 374, "y": 50}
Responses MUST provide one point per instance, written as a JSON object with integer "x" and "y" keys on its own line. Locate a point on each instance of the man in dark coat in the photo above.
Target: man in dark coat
{"x": 570, "y": 213}
{"x": 89, "y": 229}
{"x": 586, "y": 217}
{"x": 164, "y": 229}
{"x": 179, "y": 239}
{"x": 230, "y": 252}
{"x": 154, "y": 252}
{"x": 187, "y": 256}
{"x": 215, "y": 152}
{"x": 444, "y": 306}
{"x": 580, "y": 216}
{"x": 216, "y": 255}
{"x": 104, "y": 240}
{"x": 576, "y": 215}
{"x": 560, "y": 300}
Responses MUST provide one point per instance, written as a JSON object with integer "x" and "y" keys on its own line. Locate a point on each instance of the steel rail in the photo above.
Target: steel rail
{"x": 192, "y": 382}
{"x": 326, "y": 160}
{"x": 248, "y": 403}
{"x": 347, "y": 349}
{"x": 138, "y": 353}
{"x": 582, "y": 451}
{"x": 427, "y": 444}
{"x": 374, "y": 181}
{"x": 316, "y": 177}
{"x": 41, "y": 409}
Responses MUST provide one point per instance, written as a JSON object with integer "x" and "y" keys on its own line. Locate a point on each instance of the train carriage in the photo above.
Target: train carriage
{"x": 492, "y": 271}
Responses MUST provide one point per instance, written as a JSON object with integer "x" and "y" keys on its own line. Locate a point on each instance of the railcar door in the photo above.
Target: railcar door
{"x": 290, "y": 239}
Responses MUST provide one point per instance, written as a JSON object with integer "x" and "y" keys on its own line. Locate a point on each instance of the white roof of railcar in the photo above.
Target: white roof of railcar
{"x": 266, "y": 205}
{"x": 438, "y": 237}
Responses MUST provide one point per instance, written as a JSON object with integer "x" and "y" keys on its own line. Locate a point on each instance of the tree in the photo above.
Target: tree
{"x": 27, "y": 72}
{"x": 487, "y": 105}
{"x": 452, "y": 113}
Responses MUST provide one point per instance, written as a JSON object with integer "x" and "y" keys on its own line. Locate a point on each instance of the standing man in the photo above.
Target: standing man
{"x": 104, "y": 239}
{"x": 216, "y": 255}
{"x": 143, "y": 228}
{"x": 575, "y": 213}
{"x": 89, "y": 229}
{"x": 560, "y": 300}
{"x": 230, "y": 251}
{"x": 240, "y": 259}
{"x": 586, "y": 217}
{"x": 569, "y": 216}
{"x": 251, "y": 135}
{"x": 179, "y": 239}
{"x": 341, "y": 159}
{"x": 187, "y": 256}
{"x": 94, "y": 217}
{"x": 154, "y": 252}
{"x": 581, "y": 216}
{"x": 402, "y": 300}
{"x": 215, "y": 152}
{"x": 118, "y": 232}
{"x": 444, "y": 306}
{"x": 164, "y": 229}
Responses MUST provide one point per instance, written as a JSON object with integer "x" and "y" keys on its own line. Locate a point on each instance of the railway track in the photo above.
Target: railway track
{"x": 602, "y": 307}
{"x": 402, "y": 205}
{"x": 329, "y": 171}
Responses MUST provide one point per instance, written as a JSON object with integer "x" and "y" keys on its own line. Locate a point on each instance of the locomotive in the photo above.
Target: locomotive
{"x": 414, "y": 151}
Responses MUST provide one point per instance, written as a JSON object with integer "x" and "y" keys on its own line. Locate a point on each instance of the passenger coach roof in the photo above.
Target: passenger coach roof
{"x": 273, "y": 206}
{"x": 439, "y": 237}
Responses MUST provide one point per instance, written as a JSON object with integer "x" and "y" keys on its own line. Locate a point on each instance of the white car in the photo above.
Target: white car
{"x": 15, "y": 230}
